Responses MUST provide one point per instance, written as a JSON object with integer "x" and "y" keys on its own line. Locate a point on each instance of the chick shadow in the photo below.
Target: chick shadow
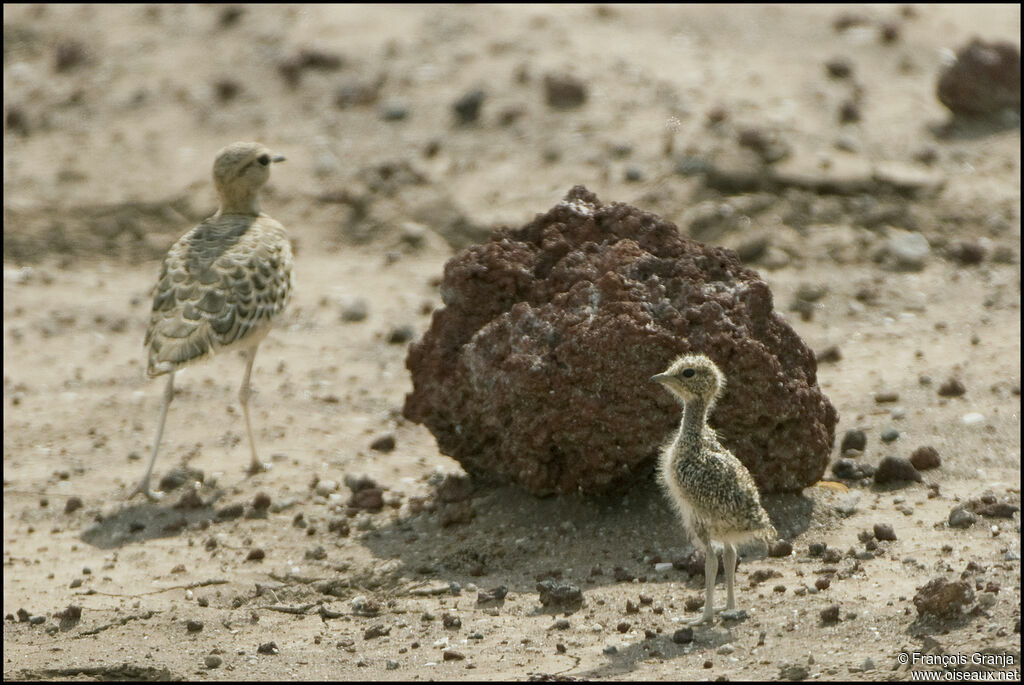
{"x": 515, "y": 540}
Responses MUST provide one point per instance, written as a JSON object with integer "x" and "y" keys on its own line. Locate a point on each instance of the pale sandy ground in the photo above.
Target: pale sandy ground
{"x": 78, "y": 411}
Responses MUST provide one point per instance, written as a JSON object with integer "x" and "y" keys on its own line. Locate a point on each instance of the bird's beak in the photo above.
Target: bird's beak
{"x": 660, "y": 378}
{"x": 278, "y": 158}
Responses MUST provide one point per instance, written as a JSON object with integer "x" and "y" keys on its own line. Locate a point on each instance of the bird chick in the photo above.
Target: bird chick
{"x": 221, "y": 285}
{"x": 711, "y": 489}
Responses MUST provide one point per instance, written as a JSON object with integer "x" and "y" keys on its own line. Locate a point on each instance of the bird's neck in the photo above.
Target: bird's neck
{"x": 239, "y": 201}
{"x": 694, "y": 416}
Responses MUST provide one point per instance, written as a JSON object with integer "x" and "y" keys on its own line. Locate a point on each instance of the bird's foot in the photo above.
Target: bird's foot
{"x": 143, "y": 488}
{"x": 703, "y": 618}
{"x": 708, "y": 617}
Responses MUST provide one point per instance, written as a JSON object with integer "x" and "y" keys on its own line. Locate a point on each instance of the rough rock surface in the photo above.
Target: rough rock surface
{"x": 537, "y": 369}
{"x": 984, "y": 79}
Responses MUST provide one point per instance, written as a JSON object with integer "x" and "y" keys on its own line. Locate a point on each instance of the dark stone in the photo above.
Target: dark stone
{"x": 985, "y": 79}
{"x": 261, "y": 501}
{"x": 780, "y": 548}
{"x": 494, "y": 595}
{"x": 193, "y": 626}
{"x": 384, "y": 443}
{"x": 378, "y": 630}
{"x": 839, "y": 67}
{"x": 817, "y": 549}
{"x": 952, "y": 388}
{"x": 926, "y": 457}
{"x": 830, "y": 614}
{"x": 884, "y": 531}
{"x": 267, "y": 648}
{"x": 851, "y": 469}
{"x": 943, "y": 598}
{"x": 893, "y": 469}
{"x": 959, "y": 517}
{"x": 558, "y": 594}
{"x": 1003, "y": 510}
{"x": 854, "y": 440}
{"x": 72, "y": 505}
{"x": 72, "y": 53}
{"x": 467, "y": 107}
{"x": 564, "y": 91}
{"x": 371, "y": 499}
{"x": 890, "y": 435}
{"x": 968, "y": 253}
{"x": 577, "y": 309}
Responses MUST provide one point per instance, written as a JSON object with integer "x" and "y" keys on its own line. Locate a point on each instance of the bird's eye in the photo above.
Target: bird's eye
{"x": 688, "y": 373}
{"x": 263, "y": 159}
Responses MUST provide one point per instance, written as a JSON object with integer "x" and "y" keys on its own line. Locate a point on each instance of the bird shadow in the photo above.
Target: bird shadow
{"x": 515, "y": 539}
{"x": 139, "y": 522}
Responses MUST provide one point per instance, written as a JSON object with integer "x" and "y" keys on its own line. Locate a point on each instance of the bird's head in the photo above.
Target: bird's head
{"x": 692, "y": 376}
{"x": 241, "y": 169}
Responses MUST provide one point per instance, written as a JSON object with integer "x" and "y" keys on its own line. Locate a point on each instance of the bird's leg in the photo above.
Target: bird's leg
{"x": 244, "y": 392}
{"x": 729, "y": 558}
{"x": 143, "y": 485}
{"x": 710, "y": 572}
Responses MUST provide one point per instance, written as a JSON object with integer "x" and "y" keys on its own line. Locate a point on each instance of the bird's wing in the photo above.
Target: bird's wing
{"x": 223, "y": 280}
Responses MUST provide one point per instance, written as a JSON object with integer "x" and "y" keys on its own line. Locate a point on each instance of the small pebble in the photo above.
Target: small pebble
{"x": 780, "y": 548}
{"x": 890, "y": 435}
{"x": 972, "y": 419}
{"x": 894, "y": 469}
{"x": 267, "y": 648}
{"x": 563, "y": 91}
{"x": 394, "y": 110}
{"x": 830, "y": 614}
{"x": 952, "y": 388}
{"x": 884, "y": 531}
{"x": 854, "y": 439}
{"x": 193, "y": 626}
{"x": 467, "y": 107}
{"x": 959, "y": 517}
{"x": 213, "y": 661}
{"x": 838, "y": 68}
{"x": 925, "y": 457}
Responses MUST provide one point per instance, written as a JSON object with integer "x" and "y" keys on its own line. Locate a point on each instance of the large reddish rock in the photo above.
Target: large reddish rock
{"x": 537, "y": 369}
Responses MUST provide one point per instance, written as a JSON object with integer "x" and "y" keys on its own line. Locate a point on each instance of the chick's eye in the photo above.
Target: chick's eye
{"x": 263, "y": 159}
{"x": 688, "y": 373}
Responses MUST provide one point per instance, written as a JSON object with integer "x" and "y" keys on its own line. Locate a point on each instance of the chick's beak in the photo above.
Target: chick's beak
{"x": 660, "y": 378}
{"x": 278, "y": 158}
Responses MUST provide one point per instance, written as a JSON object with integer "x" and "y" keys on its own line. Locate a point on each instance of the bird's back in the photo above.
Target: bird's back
{"x": 220, "y": 285}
